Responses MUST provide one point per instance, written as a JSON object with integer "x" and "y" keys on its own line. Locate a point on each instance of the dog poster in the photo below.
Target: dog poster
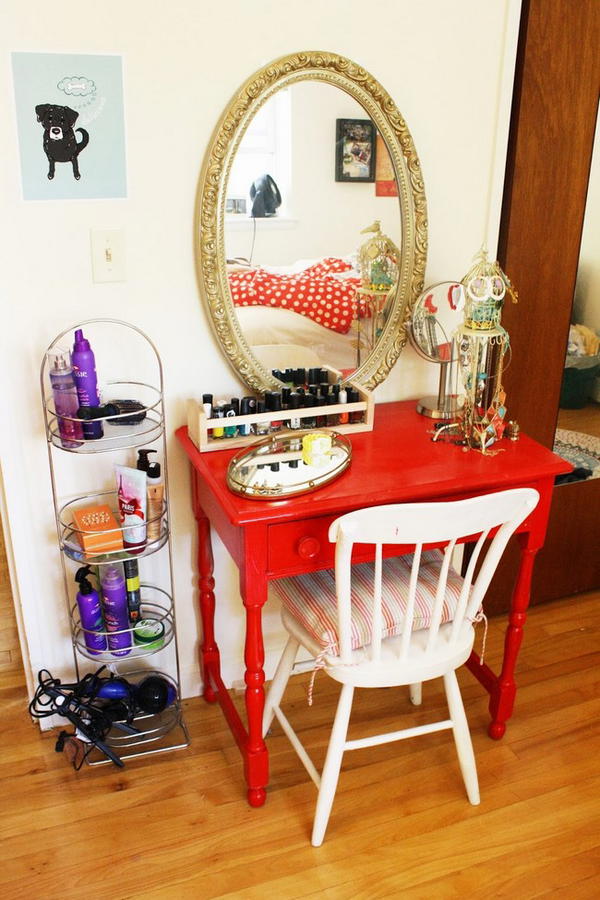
{"x": 71, "y": 126}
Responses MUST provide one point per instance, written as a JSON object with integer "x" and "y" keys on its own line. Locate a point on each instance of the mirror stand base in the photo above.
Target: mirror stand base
{"x": 448, "y": 410}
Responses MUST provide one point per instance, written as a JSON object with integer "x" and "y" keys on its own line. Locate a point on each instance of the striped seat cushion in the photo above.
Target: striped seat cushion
{"x": 311, "y": 599}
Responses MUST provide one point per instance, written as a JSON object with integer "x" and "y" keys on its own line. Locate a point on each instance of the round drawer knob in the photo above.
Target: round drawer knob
{"x": 308, "y": 547}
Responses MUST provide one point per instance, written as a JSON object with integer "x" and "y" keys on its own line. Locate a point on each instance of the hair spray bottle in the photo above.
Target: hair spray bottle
{"x": 116, "y": 613}
{"x": 84, "y": 370}
{"x": 64, "y": 394}
{"x": 90, "y": 612}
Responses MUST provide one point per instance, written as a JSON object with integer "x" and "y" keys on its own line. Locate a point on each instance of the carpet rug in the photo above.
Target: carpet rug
{"x": 581, "y": 450}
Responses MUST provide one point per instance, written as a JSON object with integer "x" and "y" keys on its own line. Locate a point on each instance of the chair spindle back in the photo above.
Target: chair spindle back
{"x": 419, "y": 525}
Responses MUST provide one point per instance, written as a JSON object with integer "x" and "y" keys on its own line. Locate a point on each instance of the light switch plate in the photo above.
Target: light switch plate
{"x": 108, "y": 254}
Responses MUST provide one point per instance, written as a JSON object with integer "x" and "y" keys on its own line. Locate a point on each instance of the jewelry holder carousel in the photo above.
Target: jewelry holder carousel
{"x": 482, "y": 347}
{"x": 378, "y": 266}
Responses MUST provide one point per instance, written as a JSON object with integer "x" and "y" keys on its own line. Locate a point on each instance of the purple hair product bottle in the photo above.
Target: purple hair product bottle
{"x": 64, "y": 394}
{"x": 116, "y": 612}
{"x": 86, "y": 382}
{"x": 90, "y": 613}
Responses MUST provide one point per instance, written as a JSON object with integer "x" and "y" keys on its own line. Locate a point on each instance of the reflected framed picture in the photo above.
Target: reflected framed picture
{"x": 355, "y": 150}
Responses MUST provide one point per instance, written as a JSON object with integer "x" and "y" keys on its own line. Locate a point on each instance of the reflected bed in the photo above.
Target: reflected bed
{"x": 312, "y": 303}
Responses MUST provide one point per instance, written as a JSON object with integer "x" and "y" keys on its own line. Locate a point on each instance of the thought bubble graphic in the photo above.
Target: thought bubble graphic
{"x": 76, "y": 85}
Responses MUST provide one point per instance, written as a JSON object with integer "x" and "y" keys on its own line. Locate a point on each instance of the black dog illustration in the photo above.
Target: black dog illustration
{"x": 60, "y": 143}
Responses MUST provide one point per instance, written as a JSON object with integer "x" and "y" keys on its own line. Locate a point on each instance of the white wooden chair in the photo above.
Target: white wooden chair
{"x": 397, "y": 621}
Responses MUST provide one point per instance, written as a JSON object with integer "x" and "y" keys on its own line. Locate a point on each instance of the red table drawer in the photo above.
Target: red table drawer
{"x": 304, "y": 546}
{"x": 300, "y": 546}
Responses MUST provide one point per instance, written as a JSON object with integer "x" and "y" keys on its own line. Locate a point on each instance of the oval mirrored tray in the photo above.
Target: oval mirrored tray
{"x": 280, "y": 467}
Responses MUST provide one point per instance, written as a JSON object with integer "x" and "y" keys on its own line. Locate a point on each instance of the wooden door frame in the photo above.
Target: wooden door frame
{"x": 555, "y": 102}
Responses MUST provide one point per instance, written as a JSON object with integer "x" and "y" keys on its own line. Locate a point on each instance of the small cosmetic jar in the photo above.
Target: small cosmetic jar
{"x": 149, "y": 634}
{"x": 316, "y": 449}
{"x": 513, "y": 430}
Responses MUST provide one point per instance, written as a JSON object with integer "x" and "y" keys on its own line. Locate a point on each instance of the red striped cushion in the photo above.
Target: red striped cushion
{"x": 311, "y": 598}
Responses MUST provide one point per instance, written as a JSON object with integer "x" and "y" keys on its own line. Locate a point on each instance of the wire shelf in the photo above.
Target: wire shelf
{"x": 158, "y": 612}
{"x": 72, "y": 539}
{"x": 116, "y": 344}
{"x": 116, "y": 437}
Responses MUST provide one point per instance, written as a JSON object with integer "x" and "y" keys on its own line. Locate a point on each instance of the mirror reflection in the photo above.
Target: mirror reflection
{"x": 288, "y": 465}
{"x": 308, "y": 182}
{"x": 436, "y": 315}
{"x": 577, "y": 436}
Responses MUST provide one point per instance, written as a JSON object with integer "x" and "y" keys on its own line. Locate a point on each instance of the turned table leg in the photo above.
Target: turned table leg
{"x": 503, "y": 694}
{"x": 254, "y": 591}
{"x": 209, "y": 652}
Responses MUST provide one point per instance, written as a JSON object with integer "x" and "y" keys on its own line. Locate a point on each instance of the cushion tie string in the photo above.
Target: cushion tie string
{"x": 481, "y": 617}
{"x": 319, "y": 664}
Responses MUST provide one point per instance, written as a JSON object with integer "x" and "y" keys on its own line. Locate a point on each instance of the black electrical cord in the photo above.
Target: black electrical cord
{"x": 75, "y": 702}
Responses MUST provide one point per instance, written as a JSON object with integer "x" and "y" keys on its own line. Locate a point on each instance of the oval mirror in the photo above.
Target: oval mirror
{"x": 309, "y": 162}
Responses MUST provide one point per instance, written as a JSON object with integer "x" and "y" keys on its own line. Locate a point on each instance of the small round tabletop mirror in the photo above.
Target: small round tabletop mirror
{"x": 436, "y": 315}
{"x": 282, "y": 467}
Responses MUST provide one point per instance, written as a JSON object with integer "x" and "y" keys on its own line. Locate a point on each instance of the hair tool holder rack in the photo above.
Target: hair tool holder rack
{"x": 359, "y": 417}
{"x": 155, "y": 732}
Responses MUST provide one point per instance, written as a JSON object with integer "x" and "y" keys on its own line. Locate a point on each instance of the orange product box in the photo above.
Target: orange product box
{"x": 97, "y": 529}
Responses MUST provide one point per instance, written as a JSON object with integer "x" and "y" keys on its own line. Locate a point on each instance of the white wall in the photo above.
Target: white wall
{"x": 183, "y": 61}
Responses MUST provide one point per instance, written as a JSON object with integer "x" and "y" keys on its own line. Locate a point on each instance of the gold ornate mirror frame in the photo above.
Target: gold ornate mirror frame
{"x": 210, "y": 207}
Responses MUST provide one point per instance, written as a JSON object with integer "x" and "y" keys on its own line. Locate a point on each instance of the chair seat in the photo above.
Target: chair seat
{"x": 389, "y": 671}
{"x": 310, "y": 600}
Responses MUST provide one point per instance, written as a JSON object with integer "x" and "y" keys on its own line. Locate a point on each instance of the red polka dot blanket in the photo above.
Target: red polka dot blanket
{"x": 315, "y": 292}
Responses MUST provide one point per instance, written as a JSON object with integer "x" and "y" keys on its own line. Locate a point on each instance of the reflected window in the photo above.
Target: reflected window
{"x": 264, "y": 149}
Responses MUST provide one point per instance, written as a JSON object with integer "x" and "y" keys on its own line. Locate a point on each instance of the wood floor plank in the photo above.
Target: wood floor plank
{"x": 178, "y": 826}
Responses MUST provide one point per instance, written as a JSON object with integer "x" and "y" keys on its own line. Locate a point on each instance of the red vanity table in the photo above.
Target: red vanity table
{"x": 397, "y": 462}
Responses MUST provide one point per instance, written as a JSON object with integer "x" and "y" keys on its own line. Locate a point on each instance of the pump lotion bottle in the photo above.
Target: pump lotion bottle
{"x": 155, "y": 492}
{"x": 86, "y": 382}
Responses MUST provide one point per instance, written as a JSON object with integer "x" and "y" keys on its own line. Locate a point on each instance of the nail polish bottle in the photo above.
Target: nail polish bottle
{"x": 295, "y": 403}
{"x": 296, "y": 447}
{"x": 353, "y": 397}
{"x": 218, "y": 413}
{"x": 275, "y": 406}
{"x": 262, "y": 428}
{"x": 207, "y": 406}
{"x": 321, "y": 418}
{"x": 230, "y": 430}
{"x": 245, "y": 429}
{"x": 309, "y": 403}
{"x": 343, "y": 398}
{"x": 332, "y": 418}
{"x": 300, "y": 378}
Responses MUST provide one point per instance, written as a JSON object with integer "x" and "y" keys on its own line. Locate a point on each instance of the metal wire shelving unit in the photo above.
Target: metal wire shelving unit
{"x": 167, "y": 730}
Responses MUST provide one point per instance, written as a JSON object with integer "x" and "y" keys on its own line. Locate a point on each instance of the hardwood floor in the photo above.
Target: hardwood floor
{"x": 586, "y": 420}
{"x": 177, "y": 825}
